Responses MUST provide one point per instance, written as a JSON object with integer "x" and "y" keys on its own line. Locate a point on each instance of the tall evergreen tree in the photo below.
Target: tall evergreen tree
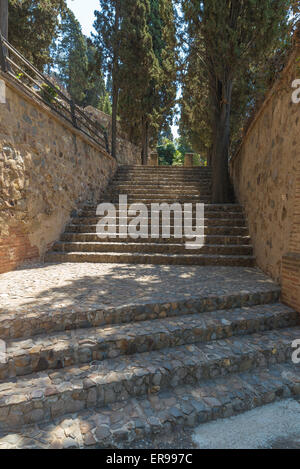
{"x": 148, "y": 59}
{"x": 107, "y": 40}
{"x": 234, "y": 34}
{"x": 33, "y": 26}
{"x": 71, "y": 58}
{"x": 139, "y": 73}
{"x": 96, "y": 94}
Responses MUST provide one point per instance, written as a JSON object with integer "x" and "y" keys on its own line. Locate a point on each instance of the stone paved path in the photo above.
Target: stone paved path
{"x": 46, "y": 287}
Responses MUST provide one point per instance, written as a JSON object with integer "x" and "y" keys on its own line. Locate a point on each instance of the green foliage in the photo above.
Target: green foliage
{"x": 33, "y": 26}
{"x": 77, "y": 64}
{"x": 167, "y": 152}
{"x": 138, "y": 53}
{"x": 48, "y": 93}
{"x": 227, "y": 45}
{"x": 147, "y": 69}
{"x": 70, "y": 55}
{"x": 172, "y": 153}
{"x": 96, "y": 94}
{"x": 139, "y": 71}
{"x": 107, "y": 41}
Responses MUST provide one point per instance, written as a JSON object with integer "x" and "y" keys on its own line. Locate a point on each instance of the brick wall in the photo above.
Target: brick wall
{"x": 291, "y": 261}
{"x": 264, "y": 173}
{"x": 15, "y": 249}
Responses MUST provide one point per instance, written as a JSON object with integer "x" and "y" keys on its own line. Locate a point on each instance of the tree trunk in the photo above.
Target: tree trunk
{"x": 4, "y": 18}
{"x": 114, "y": 119}
{"x": 220, "y": 152}
{"x": 115, "y": 84}
{"x": 4, "y": 31}
{"x": 145, "y": 142}
{"x": 209, "y": 156}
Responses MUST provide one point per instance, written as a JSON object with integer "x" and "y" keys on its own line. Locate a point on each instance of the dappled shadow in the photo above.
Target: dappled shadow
{"x": 66, "y": 286}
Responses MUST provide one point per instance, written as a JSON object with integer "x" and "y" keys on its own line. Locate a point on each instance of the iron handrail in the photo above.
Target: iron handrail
{"x": 42, "y": 88}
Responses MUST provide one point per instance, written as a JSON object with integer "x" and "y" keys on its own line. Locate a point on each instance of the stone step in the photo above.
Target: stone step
{"x": 155, "y": 259}
{"x": 81, "y": 346}
{"x": 163, "y": 176}
{"x": 158, "y": 193}
{"x": 208, "y": 230}
{"x": 50, "y": 394}
{"x": 136, "y": 199}
{"x": 160, "y": 412}
{"x": 210, "y": 239}
{"x": 161, "y": 182}
{"x": 149, "y": 198}
{"x": 208, "y": 208}
{"x": 149, "y": 248}
{"x": 164, "y": 169}
{"x": 158, "y": 185}
{"x": 93, "y": 220}
{"x": 30, "y": 323}
{"x": 220, "y": 215}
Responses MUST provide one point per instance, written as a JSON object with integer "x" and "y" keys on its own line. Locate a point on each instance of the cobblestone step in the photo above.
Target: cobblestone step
{"x": 156, "y": 259}
{"x": 81, "y": 346}
{"x": 208, "y": 214}
{"x": 164, "y": 412}
{"x": 208, "y": 230}
{"x": 44, "y": 396}
{"x": 31, "y": 323}
{"x": 208, "y": 208}
{"x": 210, "y": 239}
{"x": 159, "y": 195}
{"x": 204, "y": 199}
{"x": 143, "y": 185}
{"x": 163, "y": 173}
{"x": 153, "y": 191}
{"x": 93, "y": 220}
{"x": 149, "y": 248}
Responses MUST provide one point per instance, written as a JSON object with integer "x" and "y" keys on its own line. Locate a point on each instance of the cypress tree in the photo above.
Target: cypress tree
{"x": 234, "y": 34}
{"x": 107, "y": 40}
{"x": 32, "y": 27}
{"x": 71, "y": 58}
{"x": 148, "y": 60}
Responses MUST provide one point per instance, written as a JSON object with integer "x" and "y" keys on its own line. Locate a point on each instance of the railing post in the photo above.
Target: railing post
{"x": 3, "y": 63}
{"x": 153, "y": 159}
{"x": 189, "y": 160}
{"x": 106, "y": 142}
{"x": 3, "y": 32}
{"x": 73, "y": 113}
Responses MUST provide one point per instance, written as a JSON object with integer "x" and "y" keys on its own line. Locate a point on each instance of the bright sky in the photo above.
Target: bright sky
{"x": 84, "y": 12}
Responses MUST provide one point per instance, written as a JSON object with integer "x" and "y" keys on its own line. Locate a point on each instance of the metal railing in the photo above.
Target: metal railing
{"x": 17, "y": 67}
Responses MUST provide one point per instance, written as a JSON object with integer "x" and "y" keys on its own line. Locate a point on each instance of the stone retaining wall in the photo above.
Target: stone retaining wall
{"x": 264, "y": 173}
{"x": 291, "y": 261}
{"x": 127, "y": 152}
{"x": 47, "y": 169}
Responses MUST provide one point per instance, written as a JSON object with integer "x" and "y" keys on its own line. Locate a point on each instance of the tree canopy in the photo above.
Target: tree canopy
{"x": 226, "y": 40}
{"x": 33, "y": 26}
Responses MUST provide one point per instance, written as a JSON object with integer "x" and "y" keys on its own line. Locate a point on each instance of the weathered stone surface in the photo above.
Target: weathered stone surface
{"x": 265, "y": 177}
{"x": 127, "y": 152}
{"x": 207, "y": 401}
{"x": 47, "y": 169}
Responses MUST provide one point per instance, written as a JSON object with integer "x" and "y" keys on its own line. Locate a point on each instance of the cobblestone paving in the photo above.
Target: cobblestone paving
{"x": 65, "y": 286}
{"x": 46, "y": 395}
{"x": 101, "y": 354}
{"x": 138, "y": 418}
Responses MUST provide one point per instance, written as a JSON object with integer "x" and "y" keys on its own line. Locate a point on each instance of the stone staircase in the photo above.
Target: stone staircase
{"x": 104, "y": 378}
{"x": 226, "y": 237}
